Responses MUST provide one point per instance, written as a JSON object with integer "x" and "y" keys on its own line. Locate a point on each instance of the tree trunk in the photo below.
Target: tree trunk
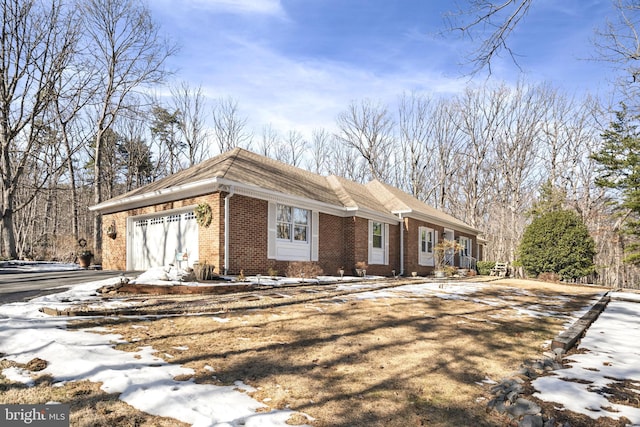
{"x": 97, "y": 195}
{"x": 8, "y": 232}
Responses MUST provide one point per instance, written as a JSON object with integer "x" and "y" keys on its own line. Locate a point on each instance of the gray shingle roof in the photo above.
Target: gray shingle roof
{"x": 247, "y": 168}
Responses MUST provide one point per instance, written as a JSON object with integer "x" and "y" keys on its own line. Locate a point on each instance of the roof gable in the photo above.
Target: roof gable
{"x": 397, "y": 201}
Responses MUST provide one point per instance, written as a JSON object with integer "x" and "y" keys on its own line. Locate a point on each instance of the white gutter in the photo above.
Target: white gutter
{"x": 157, "y": 196}
{"x": 226, "y": 229}
{"x": 401, "y": 244}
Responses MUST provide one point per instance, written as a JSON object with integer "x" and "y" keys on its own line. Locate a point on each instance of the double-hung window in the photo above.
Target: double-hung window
{"x": 293, "y": 224}
{"x": 426, "y": 240}
{"x": 377, "y": 235}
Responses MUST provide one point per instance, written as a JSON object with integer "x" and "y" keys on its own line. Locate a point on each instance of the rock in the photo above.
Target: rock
{"x": 531, "y": 421}
{"x": 523, "y": 407}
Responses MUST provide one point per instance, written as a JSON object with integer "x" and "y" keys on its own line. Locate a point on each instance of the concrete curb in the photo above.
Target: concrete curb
{"x": 568, "y": 338}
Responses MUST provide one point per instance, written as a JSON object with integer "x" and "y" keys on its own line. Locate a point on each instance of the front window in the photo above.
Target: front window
{"x": 426, "y": 241}
{"x": 293, "y": 224}
{"x": 465, "y": 244}
{"x": 377, "y": 235}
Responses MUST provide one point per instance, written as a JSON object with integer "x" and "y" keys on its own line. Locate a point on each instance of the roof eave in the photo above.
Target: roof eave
{"x": 440, "y": 221}
{"x": 163, "y": 195}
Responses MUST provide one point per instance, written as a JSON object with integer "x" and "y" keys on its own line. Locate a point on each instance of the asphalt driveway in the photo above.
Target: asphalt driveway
{"x": 16, "y": 285}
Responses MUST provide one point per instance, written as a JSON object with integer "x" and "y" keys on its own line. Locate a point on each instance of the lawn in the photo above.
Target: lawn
{"x": 417, "y": 354}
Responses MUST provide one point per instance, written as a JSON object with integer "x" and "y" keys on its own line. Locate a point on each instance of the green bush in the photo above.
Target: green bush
{"x": 557, "y": 242}
{"x": 484, "y": 267}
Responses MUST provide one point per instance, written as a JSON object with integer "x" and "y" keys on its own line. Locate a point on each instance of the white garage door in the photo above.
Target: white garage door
{"x": 156, "y": 240}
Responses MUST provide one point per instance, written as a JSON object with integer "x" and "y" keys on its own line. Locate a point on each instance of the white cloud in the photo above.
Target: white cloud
{"x": 291, "y": 93}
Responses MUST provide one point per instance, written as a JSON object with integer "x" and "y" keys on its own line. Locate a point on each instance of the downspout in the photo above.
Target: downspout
{"x": 401, "y": 244}
{"x": 226, "y": 230}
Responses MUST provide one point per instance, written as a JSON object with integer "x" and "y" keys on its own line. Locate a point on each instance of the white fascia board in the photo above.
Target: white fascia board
{"x": 212, "y": 185}
{"x": 375, "y": 215}
{"x": 278, "y": 197}
{"x": 164, "y": 195}
{"x": 256, "y": 192}
{"x": 438, "y": 221}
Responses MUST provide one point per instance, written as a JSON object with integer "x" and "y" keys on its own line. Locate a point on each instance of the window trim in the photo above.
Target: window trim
{"x": 288, "y": 249}
{"x": 378, "y": 256}
{"x": 427, "y": 258}
{"x": 292, "y": 225}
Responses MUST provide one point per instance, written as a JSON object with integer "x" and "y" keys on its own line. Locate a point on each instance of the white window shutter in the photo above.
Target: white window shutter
{"x": 271, "y": 231}
{"x": 386, "y": 244}
{"x": 315, "y": 235}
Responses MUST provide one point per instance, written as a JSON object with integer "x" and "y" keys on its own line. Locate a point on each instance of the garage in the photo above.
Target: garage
{"x": 155, "y": 240}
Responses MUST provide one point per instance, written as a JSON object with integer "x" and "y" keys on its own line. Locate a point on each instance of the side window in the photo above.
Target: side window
{"x": 426, "y": 240}
{"x": 377, "y": 235}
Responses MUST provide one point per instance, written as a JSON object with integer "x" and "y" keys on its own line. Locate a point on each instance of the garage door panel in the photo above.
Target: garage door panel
{"x": 156, "y": 240}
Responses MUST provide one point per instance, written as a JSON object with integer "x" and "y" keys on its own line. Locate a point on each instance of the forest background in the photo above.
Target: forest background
{"x": 89, "y": 110}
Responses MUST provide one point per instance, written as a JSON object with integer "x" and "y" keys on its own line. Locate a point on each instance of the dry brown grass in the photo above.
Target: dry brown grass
{"x": 405, "y": 361}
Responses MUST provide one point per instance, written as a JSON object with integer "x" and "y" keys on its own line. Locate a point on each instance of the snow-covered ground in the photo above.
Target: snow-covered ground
{"x": 172, "y": 276}
{"x": 609, "y": 354}
{"x": 35, "y": 266}
{"x": 146, "y": 381}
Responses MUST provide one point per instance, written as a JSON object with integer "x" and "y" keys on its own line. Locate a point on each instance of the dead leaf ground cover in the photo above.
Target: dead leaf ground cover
{"x": 399, "y": 360}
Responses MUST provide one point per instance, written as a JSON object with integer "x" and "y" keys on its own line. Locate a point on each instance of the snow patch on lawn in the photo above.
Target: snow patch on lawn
{"x": 610, "y": 354}
{"x": 144, "y": 380}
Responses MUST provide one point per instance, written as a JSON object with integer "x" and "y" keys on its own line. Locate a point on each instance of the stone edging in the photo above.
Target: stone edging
{"x": 568, "y": 338}
{"x": 507, "y": 394}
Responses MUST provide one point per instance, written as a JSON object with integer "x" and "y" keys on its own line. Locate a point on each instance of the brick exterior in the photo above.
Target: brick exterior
{"x": 247, "y": 236}
{"x": 342, "y": 241}
{"x": 331, "y": 245}
{"x": 114, "y": 251}
{"x": 412, "y": 242}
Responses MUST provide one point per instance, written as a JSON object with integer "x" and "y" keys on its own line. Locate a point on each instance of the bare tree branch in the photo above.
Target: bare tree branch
{"x": 499, "y": 19}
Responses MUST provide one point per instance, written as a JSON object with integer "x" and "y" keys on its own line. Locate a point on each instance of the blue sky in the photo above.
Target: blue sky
{"x": 296, "y": 64}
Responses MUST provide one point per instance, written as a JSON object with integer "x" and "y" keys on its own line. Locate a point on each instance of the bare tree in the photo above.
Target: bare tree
{"x": 517, "y": 146}
{"x": 165, "y": 129}
{"x": 368, "y": 128}
{"x": 320, "y": 146}
{"x": 190, "y": 102}
{"x": 619, "y": 44}
{"x": 269, "y": 141}
{"x": 500, "y": 17}
{"x": 229, "y": 129}
{"x": 72, "y": 95}
{"x": 445, "y": 146}
{"x": 415, "y": 133}
{"x": 126, "y": 53}
{"x": 37, "y": 44}
{"x": 478, "y": 115}
{"x": 292, "y": 149}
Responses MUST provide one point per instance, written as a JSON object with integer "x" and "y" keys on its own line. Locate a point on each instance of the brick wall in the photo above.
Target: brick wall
{"x": 247, "y": 235}
{"x": 412, "y": 242}
{"x": 330, "y": 246}
{"x": 114, "y": 250}
{"x": 356, "y": 246}
{"x": 342, "y": 241}
{"x": 114, "y": 255}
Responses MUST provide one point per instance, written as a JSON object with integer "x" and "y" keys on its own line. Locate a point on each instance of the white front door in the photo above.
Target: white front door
{"x": 426, "y": 242}
{"x": 155, "y": 240}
